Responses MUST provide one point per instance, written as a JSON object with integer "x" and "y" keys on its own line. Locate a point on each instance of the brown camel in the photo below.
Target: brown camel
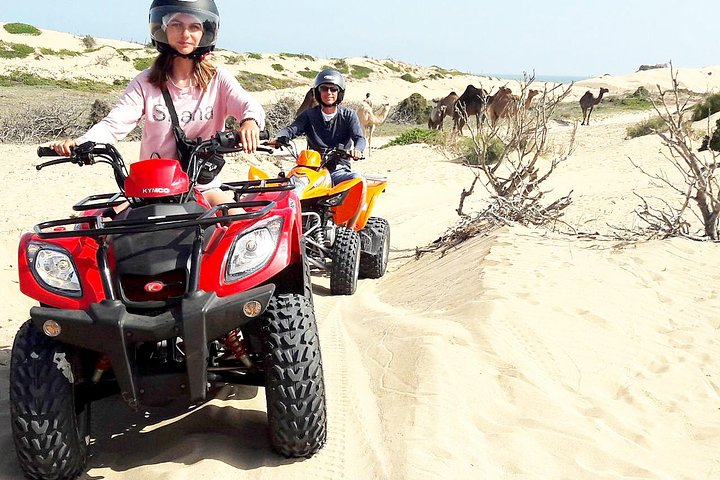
{"x": 472, "y": 102}
{"x": 504, "y": 104}
{"x": 443, "y": 107}
{"x": 369, "y": 119}
{"x": 308, "y": 102}
{"x": 498, "y": 103}
{"x": 588, "y": 102}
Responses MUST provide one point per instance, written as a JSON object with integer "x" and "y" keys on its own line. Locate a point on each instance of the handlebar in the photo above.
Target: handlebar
{"x": 46, "y": 152}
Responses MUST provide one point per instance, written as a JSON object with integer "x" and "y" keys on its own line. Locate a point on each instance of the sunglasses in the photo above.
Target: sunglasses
{"x": 326, "y": 88}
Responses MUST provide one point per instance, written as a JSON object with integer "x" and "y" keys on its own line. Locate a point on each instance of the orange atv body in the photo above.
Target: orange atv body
{"x": 342, "y": 237}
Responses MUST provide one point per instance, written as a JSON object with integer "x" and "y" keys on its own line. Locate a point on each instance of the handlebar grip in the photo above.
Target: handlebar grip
{"x": 47, "y": 152}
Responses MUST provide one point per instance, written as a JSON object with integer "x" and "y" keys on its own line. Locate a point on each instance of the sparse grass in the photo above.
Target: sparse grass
{"x": 392, "y": 67}
{"x": 646, "y": 127}
{"x": 19, "y": 77}
{"x": 307, "y": 73}
{"x": 254, "y": 56}
{"x": 277, "y": 67}
{"x": 408, "y": 77}
{"x": 21, "y": 29}
{"x": 257, "y": 82}
{"x": 234, "y": 59}
{"x": 143, "y": 63}
{"x": 301, "y": 56}
{"x": 342, "y": 66}
{"x": 15, "y": 50}
{"x": 444, "y": 72}
{"x": 358, "y": 71}
{"x": 60, "y": 53}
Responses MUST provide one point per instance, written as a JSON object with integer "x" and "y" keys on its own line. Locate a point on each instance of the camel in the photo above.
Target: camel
{"x": 473, "y": 101}
{"x": 504, "y": 104}
{"x": 369, "y": 119}
{"x": 443, "y": 107}
{"x": 588, "y": 102}
{"x": 308, "y": 102}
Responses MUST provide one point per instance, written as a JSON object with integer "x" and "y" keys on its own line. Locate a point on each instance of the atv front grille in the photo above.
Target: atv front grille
{"x": 153, "y": 288}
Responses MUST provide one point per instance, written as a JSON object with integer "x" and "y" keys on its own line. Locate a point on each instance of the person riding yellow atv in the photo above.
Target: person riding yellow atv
{"x": 342, "y": 238}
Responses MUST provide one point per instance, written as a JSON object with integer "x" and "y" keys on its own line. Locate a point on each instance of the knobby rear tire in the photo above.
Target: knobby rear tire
{"x": 294, "y": 385}
{"x": 51, "y": 432}
{"x": 345, "y": 267}
{"x": 375, "y": 266}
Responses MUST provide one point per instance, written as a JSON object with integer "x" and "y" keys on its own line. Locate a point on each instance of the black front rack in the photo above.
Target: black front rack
{"x": 96, "y": 226}
{"x": 279, "y": 184}
{"x": 93, "y": 201}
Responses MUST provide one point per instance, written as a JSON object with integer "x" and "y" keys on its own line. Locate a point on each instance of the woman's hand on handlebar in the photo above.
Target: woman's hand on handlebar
{"x": 356, "y": 154}
{"x": 249, "y": 133}
{"x": 64, "y": 147}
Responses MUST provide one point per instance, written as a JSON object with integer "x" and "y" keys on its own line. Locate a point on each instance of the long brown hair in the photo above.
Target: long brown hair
{"x": 162, "y": 66}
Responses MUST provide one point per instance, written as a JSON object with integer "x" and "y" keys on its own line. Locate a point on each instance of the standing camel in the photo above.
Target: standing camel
{"x": 588, "y": 102}
{"x": 504, "y": 104}
{"x": 369, "y": 119}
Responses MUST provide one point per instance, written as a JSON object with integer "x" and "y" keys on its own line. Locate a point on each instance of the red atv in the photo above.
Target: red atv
{"x": 170, "y": 299}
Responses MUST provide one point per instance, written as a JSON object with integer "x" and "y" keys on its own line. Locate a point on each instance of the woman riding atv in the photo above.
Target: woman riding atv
{"x": 328, "y": 125}
{"x": 182, "y": 96}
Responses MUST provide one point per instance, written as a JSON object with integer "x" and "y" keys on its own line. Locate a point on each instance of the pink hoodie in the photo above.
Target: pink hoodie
{"x": 201, "y": 114}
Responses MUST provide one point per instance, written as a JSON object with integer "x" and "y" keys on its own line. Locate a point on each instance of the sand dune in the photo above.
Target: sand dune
{"x": 524, "y": 354}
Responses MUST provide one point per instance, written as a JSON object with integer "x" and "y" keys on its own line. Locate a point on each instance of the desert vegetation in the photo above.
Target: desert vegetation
{"x": 696, "y": 180}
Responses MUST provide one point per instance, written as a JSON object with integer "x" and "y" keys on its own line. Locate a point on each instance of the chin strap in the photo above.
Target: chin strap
{"x": 198, "y": 54}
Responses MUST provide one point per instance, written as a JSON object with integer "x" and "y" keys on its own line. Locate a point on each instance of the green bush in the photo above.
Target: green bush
{"x": 358, "y": 71}
{"x": 413, "y": 109}
{"x": 277, "y": 67}
{"x": 15, "y": 50}
{"x": 707, "y": 107}
{"x": 408, "y": 77}
{"x": 21, "y": 29}
{"x": 492, "y": 150}
{"x": 416, "y": 135}
{"x": 255, "y": 56}
{"x": 143, "y": 63}
{"x": 646, "y": 127}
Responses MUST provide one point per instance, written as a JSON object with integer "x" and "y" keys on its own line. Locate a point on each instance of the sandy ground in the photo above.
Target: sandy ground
{"x": 522, "y": 355}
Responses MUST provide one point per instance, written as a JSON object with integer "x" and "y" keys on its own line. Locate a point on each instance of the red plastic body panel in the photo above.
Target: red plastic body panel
{"x": 83, "y": 251}
{"x": 212, "y": 275}
{"x": 156, "y": 177}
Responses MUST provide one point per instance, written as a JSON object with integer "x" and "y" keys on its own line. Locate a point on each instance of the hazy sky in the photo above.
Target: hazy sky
{"x": 556, "y": 37}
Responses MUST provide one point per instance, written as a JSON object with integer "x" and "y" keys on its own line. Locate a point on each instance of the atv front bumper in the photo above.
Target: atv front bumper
{"x": 109, "y": 328}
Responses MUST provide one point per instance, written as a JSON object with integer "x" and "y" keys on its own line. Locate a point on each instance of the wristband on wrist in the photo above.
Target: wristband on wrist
{"x": 247, "y": 120}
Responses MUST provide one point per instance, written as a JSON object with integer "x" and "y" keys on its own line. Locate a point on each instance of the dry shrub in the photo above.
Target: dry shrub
{"x": 41, "y": 124}
{"x": 281, "y": 113}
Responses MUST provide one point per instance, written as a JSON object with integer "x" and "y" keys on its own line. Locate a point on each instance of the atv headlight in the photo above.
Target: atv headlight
{"x": 253, "y": 249}
{"x": 53, "y": 267}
